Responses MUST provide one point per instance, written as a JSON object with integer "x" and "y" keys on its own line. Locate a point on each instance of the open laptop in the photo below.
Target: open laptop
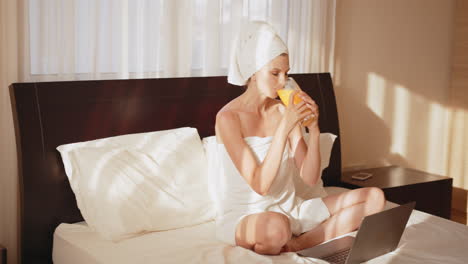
{"x": 379, "y": 234}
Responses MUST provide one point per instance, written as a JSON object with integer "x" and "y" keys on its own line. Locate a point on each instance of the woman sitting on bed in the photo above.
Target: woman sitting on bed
{"x": 261, "y": 147}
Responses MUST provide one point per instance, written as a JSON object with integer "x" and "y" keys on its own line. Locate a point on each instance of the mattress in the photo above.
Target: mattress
{"x": 427, "y": 239}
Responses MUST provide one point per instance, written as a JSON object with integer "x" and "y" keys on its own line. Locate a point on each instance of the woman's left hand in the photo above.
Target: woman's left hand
{"x": 313, "y": 108}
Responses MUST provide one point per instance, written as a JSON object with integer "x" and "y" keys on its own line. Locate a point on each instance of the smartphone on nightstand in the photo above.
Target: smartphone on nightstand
{"x": 361, "y": 176}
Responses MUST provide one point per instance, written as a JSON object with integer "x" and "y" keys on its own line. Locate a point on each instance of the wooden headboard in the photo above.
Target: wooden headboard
{"x": 49, "y": 114}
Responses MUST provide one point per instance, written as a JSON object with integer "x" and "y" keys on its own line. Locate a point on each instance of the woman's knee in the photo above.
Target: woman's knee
{"x": 265, "y": 233}
{"x": 276, "y": 230}
{"x": 376, "y": 197}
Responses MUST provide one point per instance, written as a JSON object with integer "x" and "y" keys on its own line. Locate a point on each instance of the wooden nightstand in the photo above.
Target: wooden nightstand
{"x": 3, "y": 252}
{"x": 432, "y": 193}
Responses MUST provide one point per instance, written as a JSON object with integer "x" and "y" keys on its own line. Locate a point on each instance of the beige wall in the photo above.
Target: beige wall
{"x": 8, "y": 164}
{"x": 392, "y": 79}
{"x": 458, "y": 101}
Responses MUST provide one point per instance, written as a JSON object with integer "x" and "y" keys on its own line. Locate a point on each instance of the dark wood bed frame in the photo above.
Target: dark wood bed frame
{"x": 49, "y": 114}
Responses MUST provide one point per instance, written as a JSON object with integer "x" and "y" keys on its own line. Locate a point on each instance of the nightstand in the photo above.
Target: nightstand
{"x": 3, "y": 259}
{"x": 432, "y": 193}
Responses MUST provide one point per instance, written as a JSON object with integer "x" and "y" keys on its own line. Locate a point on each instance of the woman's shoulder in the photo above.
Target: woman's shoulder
{"x": 230, "y": 110}
{"x": 227, "y": 118}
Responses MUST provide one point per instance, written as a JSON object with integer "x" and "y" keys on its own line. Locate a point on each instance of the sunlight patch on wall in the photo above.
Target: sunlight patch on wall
{"x": 418, "y": 127}
{"x": 458, "y": 161}
{"x": 376, "y": 94}
{"x": 400, "y": 121}
{"x": 437, "y": 138}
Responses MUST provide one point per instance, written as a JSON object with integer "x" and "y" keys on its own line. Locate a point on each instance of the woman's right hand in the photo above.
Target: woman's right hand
{"x": 295, "y": 113}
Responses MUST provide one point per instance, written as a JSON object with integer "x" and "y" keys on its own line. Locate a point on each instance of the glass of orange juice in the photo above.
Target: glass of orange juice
{"x": 286, "y": 92}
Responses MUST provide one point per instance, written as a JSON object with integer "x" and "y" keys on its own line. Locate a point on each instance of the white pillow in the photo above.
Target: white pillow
{"x": 302, "y": 190}
{"x": 216, "y": 185}
{"x": 132, "y": 184}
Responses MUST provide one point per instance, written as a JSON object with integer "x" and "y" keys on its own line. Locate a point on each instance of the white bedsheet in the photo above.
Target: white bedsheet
{"x": 427, "y": 239}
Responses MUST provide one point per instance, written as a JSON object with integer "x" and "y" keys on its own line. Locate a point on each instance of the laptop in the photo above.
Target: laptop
{"x": 379, "y": 234}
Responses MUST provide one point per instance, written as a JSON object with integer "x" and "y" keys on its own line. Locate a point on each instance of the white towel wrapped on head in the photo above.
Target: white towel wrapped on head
{"x": 257, "y": 44}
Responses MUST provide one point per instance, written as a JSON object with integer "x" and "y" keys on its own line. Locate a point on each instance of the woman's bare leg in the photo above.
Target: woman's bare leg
{"x": 265, "y": 233}
{"x": 347, "y": 211}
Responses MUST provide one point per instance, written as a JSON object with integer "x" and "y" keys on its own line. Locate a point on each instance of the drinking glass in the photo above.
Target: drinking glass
{"x": 284, "y": 94}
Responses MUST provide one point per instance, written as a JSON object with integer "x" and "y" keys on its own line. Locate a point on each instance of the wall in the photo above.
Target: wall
{"x": 392, "y": 79}
{"x": 458, "y": 101}
{"x": 8, "y": 164}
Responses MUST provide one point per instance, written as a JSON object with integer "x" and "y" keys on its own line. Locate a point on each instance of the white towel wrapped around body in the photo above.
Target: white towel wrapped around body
{"x": 236, "y": 199}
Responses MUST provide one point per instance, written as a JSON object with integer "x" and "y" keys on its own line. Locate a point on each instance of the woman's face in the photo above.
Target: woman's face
{"x": 272, "y": 77}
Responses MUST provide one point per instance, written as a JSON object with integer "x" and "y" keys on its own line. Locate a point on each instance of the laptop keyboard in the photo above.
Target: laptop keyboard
{"x": 339, "y": 257}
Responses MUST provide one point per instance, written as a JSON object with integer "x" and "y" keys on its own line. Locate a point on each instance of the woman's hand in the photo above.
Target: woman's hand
{"x": 314, "y": 111}
{"x": 295, "y": 113}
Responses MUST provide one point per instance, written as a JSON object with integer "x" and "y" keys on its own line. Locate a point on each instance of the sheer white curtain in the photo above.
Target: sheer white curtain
{"x": 102, "y": 39}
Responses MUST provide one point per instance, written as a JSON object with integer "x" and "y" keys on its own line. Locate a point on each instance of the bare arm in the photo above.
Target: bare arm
{"x": 307, "y": 159}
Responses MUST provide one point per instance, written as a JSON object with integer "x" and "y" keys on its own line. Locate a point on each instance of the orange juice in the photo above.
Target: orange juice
{"x": 286, "y": 92}
{"x": 284, "y": 96}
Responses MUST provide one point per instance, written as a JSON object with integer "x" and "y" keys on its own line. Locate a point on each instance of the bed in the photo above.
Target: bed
{"x": 52, "y": 229}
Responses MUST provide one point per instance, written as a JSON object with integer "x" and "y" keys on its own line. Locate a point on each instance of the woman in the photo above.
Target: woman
{"x": 261, "y": 147}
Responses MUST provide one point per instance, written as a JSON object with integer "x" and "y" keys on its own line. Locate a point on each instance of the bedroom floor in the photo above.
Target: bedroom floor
{"x": 459, "y": 216}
